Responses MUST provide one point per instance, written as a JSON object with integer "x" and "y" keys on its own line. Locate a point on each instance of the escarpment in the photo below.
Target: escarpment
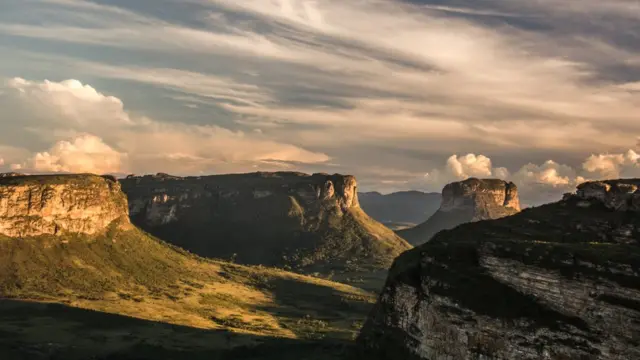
{"x": 59, "y": 204}
{"x": 288, "y": 219}
{"x": 467, "y": 201}
{"x": 560, "y": 281}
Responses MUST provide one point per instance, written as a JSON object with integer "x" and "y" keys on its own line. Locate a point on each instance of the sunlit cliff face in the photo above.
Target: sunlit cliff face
{"x": 34, "y": 205}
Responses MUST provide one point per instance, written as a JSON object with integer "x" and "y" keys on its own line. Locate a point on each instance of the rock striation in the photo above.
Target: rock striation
{"x": 59, "y": 204}
{"x": 560, "y": 281}
{"x": 467, "y": 201}
{"x": 284, "y": 218}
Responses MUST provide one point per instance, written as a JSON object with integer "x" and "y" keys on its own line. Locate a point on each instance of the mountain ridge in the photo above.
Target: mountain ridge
{"x": 305, "y": 222}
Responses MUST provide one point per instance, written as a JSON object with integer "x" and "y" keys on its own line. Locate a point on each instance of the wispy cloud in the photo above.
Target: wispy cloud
{"x": 395, "y": 85}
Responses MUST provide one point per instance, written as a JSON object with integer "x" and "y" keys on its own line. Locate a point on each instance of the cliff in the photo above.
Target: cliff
{"x": 561, "y": 281}
{"x": 284, "y": 219}
{"x": 71, "y": 273}
{"x": 58, "y": 205}
{"x": 467, "y": 201}
{"x": 400, "y": 209}
{"x": 618, "y": 195}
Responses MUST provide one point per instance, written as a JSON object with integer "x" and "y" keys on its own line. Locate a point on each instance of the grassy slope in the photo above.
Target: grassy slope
{"x": 139, "y": 285}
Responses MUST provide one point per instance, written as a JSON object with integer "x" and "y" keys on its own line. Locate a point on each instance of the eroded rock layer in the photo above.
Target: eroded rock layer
{"x": 561, "y": 281}
{"x": 263, "y": 218}
{"x": 467, "y": 201}
{"x": 60, "y": 204}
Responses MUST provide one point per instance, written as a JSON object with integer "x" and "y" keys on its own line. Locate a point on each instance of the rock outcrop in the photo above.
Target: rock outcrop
{"x": 288, "y": 219}
{"x": 467, "y": 201}
{"x": 59, "y": 204}
{"x": 402, "y": 209}
{"x": 561, "y": 281}
{"x": 621, "y": 195}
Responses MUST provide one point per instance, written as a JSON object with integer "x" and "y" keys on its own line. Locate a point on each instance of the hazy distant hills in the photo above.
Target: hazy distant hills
{"x": 303, "y": 222}
{"x": 400, "y": 209}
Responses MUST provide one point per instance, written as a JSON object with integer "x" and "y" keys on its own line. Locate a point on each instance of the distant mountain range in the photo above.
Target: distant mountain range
{"x": 400, "y": 209}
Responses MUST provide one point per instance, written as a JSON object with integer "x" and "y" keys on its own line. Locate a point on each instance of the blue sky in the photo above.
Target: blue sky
{"x": 403, "y": 94}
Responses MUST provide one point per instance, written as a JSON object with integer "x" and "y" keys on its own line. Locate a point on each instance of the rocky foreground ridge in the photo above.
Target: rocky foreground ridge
{"x": 467, "y": 201}
{"x": 560, "y": 281}
{"x": 284, "y": 218}
{"x": 59, "y": 204}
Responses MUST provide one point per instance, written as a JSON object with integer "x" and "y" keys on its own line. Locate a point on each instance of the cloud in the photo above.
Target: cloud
{"x": 386, "y": 89}
{"x": 613, "y": 165}
{"x": 463, "y": 167}
{"x": 68, "y": 111}
{"x": 84, "y": 154}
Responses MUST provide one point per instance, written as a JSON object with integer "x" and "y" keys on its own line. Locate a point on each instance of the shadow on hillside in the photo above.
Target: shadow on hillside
{"x": 38, "y": 331}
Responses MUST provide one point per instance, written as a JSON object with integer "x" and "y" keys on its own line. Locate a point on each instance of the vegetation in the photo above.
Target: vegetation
{"x": 125, "y": 294}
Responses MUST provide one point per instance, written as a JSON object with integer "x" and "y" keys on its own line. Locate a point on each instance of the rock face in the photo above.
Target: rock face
{"x": 400, "y": 209}
{"x": 561, "y": 281}
{"x": 282, "y": 218}
{"x": 58, "y": 205}
{"x": 619, "y": 195}
{"x": 467, "y": 201}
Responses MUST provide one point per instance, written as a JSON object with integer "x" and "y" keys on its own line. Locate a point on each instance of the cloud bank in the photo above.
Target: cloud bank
{"x": 92, "y": 132}
{"x": 542, "y": 92}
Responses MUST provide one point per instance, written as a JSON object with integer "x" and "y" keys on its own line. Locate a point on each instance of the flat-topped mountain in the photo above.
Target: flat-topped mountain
{"x": 58, "y": 205}
{"x": 312, "y": 222}
{"x": 560, "y": 281}
{"x": 73, "y": 267}
{"x": 467, "y": 201}
{"x": 400, "y": 209}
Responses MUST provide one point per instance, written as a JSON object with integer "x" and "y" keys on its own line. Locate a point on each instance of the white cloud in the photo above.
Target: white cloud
{"x": 459, "y": 168}
{"x": 377, "y": 82}
{"x": 84, "y": 154}
{"x": 68, "y": 110}
{"x": 613, "y": 165}
{"x": 470, "y": 165}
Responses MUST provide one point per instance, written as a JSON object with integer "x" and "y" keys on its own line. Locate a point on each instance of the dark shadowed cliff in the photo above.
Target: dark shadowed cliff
{"x": 400, "y": 209}
{"x": 467, "y": 201}
{"x": 311, "y": 222}
{"x": 561, "y": 281}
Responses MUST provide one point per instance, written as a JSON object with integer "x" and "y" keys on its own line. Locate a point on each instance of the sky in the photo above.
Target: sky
{"x": 403, "y": 94}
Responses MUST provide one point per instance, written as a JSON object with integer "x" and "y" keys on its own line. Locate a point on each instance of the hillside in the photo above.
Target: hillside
{"x": 560, "y": 281}
{"x": 400, "y": 209}
{"x": 467, "y": 201}
{"x": 114, "y": 292}
{"x": 309, "y": 223}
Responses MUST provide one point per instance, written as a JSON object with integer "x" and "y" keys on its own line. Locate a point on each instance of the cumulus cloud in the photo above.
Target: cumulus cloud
{"x": 84, "y": 154}
{"x": 63, "y": 113}
{"x": 381, "y": 87}
{"x": 613, "y": 165}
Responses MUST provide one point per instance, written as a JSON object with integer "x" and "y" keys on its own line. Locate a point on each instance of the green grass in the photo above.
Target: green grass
{"x": 125, "y": 292}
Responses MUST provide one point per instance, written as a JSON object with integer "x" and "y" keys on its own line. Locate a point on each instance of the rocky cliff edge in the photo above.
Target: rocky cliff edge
{"x": 560, "y": 281}
{"x": 59, "y": 204}
{"x": 282, "y": 218}
{"x": 467, "y": 201}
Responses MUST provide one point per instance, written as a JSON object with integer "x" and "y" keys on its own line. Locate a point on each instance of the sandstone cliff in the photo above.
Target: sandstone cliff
{"x": 59, "y": 204}
{"x": 288, "y": 219}
{"x": 561, "y": 281}
{"x": 467, "y": 201}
